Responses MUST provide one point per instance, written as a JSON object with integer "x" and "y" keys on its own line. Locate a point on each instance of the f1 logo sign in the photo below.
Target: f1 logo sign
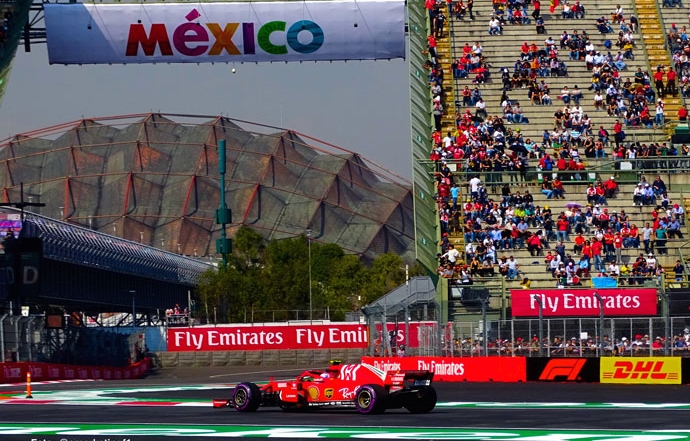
{"x": 563, "y": 367}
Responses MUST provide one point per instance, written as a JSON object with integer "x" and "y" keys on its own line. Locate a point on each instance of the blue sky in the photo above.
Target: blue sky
{"x": 362, "y": 106}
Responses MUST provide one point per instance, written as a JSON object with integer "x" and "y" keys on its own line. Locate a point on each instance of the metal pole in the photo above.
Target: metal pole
{"x": 537, "y": 299}
{"x": 485, "y": 327}
{"x": 600, "y": 343}
{"x": 311, "y": 316}
{"x": 667, "y": 321}
{"x": 189, "y": 307}
{"x": 134, "y": 310}
{"x": 407, "y": 310}
{"x": 2, "y": 337}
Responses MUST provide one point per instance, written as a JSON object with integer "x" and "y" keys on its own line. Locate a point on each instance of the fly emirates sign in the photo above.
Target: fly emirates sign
{"x": 250, "y": 338}
{"x": 81, "y": 33}
{"x": 583, "y": 302}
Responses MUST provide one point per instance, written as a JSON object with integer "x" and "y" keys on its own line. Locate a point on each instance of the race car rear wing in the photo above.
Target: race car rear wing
{"x": 417, "y": 378}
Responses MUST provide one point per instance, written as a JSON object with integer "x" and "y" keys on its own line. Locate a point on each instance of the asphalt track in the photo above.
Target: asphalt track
{"x": 177, "y": 402}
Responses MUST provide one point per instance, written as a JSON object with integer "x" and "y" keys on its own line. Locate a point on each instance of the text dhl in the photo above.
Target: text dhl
{"x": 191, "y": 39}
{"x": 641, "y": 371}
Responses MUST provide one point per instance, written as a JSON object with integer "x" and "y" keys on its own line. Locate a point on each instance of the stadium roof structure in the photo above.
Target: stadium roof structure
{"x": 153, "y": 179}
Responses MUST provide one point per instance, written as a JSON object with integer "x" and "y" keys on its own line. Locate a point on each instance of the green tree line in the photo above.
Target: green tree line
{"x": 267, "y": 281}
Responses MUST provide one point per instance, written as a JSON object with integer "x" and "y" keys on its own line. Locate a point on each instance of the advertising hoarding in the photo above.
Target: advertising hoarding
{"x": 282, "y": 337}
{"x": 563, "y": 369}
{"x": 503, "y": 369}
{"x": 583, "y": 302}
{"x": 224, "y": 32}
{"x": 16, "y": 372}
{"x": 641, "y": 370}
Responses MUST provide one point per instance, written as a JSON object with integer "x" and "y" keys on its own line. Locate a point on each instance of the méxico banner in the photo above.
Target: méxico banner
{"x": 283, "y": 337}
{"x": 224, "y": 32}
{"x": 583, "y": 302}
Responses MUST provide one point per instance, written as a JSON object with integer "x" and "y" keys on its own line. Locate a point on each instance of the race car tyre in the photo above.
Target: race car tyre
{"x": 246, "y": 397}
{"x": 422, "y": 402}
{"x": 371, "y": 399}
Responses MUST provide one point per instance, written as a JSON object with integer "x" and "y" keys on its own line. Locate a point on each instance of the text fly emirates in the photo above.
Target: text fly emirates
{"x": 244, "y": 337}
{"x": 189, "y": 38}
{"x": 573, "y": 301}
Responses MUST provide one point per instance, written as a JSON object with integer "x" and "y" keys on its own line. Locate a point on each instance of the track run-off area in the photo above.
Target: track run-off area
{"x": 179, "y": 403}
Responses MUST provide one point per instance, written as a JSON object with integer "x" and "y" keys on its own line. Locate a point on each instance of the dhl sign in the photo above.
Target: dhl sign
{"x": 643, "y": 370}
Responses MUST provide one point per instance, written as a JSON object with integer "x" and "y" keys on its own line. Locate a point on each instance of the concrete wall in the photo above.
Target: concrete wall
{"x": 255, "y": 358}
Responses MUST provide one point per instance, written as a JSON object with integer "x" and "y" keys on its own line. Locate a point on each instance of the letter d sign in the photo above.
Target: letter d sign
{"x": 30, "y": 275}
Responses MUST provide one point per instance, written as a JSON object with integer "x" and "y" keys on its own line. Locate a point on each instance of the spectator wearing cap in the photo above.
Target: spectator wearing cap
{"x": 622, "y": 347}
{"x": 659, "y": 113}
{"x": 638, "y": 195}
{"x": 679, "y": 213}
{"x": 610, "y": 187}
{"x": 648, "y": 197}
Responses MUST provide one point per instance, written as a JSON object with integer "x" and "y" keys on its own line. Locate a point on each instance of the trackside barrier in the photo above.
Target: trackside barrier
{"x": 685, "y": 370}
{"x": 17, "y": 372}
{"x": 454, "y": 369}
{"x": 621, "y": 370}
{"x": 641, "y": 370}
{"x": 563, "y": 369}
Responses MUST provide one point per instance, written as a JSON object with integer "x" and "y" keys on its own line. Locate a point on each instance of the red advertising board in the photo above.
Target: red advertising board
{"x": 283, "y": 337}
{"x": 16, "y": 372}
{"x": 583, "y": 302}
{"x": 504, "y": 369}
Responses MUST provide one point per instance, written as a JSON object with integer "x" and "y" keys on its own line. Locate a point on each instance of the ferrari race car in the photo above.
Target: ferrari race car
{"x": 362, "y": 386}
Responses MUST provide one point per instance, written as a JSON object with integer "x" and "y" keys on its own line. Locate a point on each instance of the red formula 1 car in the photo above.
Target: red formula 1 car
{"x": 362, "y": 386}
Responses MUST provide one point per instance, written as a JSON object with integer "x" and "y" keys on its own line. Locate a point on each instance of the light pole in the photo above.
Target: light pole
{"x": 134, "y": 310}
{"x": 601, "y": 322}
{"x": 537, "y": 299}
{"x": 311, "y": 318}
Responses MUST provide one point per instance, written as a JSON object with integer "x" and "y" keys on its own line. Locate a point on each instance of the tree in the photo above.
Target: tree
{"x": 270, "y": 281}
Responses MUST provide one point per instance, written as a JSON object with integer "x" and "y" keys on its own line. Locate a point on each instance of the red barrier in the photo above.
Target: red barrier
{"x": 283, "y": 337}
{"x": 452, "y": 369}
{"x": 16, "y": 372}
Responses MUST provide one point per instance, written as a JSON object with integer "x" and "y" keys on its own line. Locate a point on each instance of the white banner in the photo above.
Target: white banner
{"x": 225, "y": 32}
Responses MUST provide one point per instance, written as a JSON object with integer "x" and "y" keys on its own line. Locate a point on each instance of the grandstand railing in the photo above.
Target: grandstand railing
{"x": 626, "y": 172}
{"x": 570, "y": 337}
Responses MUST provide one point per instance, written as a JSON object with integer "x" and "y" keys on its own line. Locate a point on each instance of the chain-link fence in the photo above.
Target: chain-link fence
{"x": 25, "y": 339}
{"x": 625, "y": 336}
{"x": 21, "y": 338}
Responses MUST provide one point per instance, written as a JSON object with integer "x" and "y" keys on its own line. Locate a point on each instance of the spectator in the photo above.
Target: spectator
{"x": 495, "y": 27}
{"x": 658, "y": 186}
{"x": 452, "y": 255}
{"x": 659, "y": 113}
{"x": 671, "y": 88}
{"x": 678, "y": 271}
{"x": 513, "y": 268}
{"x": 547, "y": 188}
{"x": 661, "y": 236}
{"x": 610, "y": 188}
{"x": 618, "y": 14}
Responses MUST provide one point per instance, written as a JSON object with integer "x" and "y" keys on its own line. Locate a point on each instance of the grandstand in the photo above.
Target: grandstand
{"x": 504, "y": 52}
